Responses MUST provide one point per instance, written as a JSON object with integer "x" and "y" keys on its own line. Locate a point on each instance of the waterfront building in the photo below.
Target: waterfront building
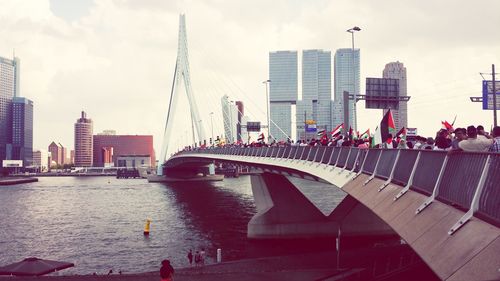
{"x": 41, "y": 160}
{"x": 283, "y": 92}
{"x": 83, "y": 141}
{"x": 9, "y": 88}
{"x": 315, "y": 105}
{"x": 56, "y": 151}
{"x": 21, "y": 131}
{"x": 396, "y": 70}
{"x": 230, "y": 117}
{"x": 107, "y": 148}
{"x": 346, "y": 78}
{"x": 134, "y": 161}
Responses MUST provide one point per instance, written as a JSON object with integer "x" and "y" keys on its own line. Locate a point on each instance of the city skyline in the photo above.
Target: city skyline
{"x": 75, "y": 61}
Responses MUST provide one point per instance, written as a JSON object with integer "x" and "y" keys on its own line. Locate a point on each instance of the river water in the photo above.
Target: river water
{"x": 97, "y": 222}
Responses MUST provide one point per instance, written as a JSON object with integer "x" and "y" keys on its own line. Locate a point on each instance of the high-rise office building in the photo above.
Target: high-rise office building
{"x": 83, "y": 141}
{"x": 396, "y": 70}
{"x": 21, "y": 144}
{"x": 55, "y": 152}
{"x": 283, "y": 92}
{"x": 241, "y": 112}
{"x": 346, "y": 78}
{"x": 9, "y": 88}
{"x": 230, "y": 119}
{"x": 316, "y": 92}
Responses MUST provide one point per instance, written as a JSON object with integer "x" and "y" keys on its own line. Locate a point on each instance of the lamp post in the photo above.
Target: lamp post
{"x": 212, "y": 124}
{"x": 267, "y": 109}
{"x": 354, "y": 113}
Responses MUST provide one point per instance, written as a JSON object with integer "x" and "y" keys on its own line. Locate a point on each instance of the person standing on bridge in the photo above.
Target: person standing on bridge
{"x": 473, "y": 142}
{"x": 495, "y": 147}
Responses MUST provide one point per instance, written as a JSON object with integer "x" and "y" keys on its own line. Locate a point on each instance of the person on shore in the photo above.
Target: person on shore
{"x": 202, "y": 256}
{"x": 190, "y": 257}
{"x": 197, "y": 258}
{"x": 166, "y": 271}
{"x": 473, "y": 142}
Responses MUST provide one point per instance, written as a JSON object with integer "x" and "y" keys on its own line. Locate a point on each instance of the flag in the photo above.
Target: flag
{"x": 365, "y": 135}
{"x": 377, "y": 138}
{"x": 447, "y": 126}
{"x": 387, "y": 127}
{"x": 321, "y": 132}
{"x": 401, "y": 133}
{"x": 350, "y": 132}
{"x": 337, "y": 130}
{"x": 261, "y": 137}
{"x": 324, "y": 138}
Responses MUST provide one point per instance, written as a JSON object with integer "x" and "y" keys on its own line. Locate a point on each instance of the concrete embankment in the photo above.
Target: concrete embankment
{"x": 317, "y": 266}
{"x": 16, "y": 180}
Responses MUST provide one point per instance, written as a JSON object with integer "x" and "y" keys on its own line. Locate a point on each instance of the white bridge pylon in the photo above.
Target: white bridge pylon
{"x": 181, "y": 72}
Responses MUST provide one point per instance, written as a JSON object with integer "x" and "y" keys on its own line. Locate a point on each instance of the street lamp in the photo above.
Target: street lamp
{"x": 267, "y": 109}
{"x": 354, "y": 125}
{"x": 212, "y": 124}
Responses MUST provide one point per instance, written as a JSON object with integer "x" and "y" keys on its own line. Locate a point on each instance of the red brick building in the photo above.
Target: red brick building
{"x": 113, "y": 146}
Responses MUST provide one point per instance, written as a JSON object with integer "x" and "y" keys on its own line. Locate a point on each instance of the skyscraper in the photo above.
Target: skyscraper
{"x": 396, "y": 70}
{"x": 83, "y": 141}
{"x": 21, "y": 143}
{"x": 346, "y": 78}
{"x": 9, "y": 88}
{"x": 230, "y": 119}
{"x": 283, "y": 92}
{"x": 316, "y": 92}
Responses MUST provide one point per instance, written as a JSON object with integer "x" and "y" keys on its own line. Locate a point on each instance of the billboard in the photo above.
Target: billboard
{"x": 382, "y": 93}
{"x": 311, "y": 128}
{"x": 411, "y": 132}
{"x": 12, "y": 163}
{"x": 488, "y": 94}
{"x": 253, "y": 126}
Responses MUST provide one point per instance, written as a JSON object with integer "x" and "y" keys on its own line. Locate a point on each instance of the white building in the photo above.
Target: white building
{"x": 283, "y": 92}
{"x": 396, "y": 70}
{"x": 346, "y": 78}
{"x": 230, "y": 119}
{"x": 41, "y": 160}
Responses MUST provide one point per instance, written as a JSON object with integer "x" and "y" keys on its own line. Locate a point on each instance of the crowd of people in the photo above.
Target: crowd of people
{"x": 471, "y": 138}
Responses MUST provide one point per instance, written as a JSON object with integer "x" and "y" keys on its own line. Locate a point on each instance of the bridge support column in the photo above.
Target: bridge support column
{"x": 284, "y": 212}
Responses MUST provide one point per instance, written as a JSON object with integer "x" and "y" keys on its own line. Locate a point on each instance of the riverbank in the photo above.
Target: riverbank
{"x": 386, "y": 263}
{"x": 16, "y": 180}
{"x": 316, "y": 266}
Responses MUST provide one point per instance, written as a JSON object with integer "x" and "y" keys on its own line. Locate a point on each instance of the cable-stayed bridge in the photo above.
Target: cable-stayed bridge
{"x": 446, "y": 206}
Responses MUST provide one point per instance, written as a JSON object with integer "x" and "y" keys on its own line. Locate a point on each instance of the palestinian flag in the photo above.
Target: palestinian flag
{"x": 337, "y": 131}
{"x": 321, "y": 132}
{"x": 365, "y": 135}
{"x": 261, "y": 137}
{"x": 385, "y": 131}
{"x": 324, "y": 138}
{"x": 401, "y": 133}
{"x": 447, "y": 126}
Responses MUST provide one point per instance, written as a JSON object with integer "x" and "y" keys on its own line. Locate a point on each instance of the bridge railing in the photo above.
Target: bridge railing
{"x": 465, "y": 180}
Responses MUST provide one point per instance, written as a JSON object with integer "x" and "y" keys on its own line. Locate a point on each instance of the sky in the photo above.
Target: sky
{"x": 115, "y": 59}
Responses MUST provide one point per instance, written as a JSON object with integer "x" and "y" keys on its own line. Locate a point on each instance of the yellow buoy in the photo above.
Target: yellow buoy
{"x": 147, "y": 226}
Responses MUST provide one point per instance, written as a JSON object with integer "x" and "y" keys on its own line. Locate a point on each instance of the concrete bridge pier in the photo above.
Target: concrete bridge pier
{"x": 284, "y": 212}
